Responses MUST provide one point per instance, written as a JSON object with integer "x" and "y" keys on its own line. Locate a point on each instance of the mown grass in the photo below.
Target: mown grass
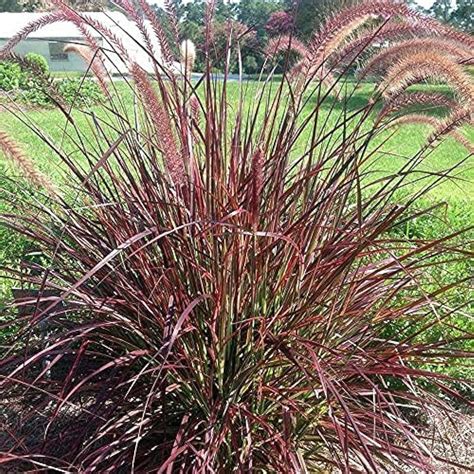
{"x": 456, "y": 193}
{"x": 398, "y": 149}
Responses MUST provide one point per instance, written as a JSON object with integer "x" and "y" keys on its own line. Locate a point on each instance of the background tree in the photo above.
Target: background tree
{"x": 310, "y": 14}
{"x": 88, "y": 5}
{"x": 10, "y": 6}
{"x": 225, "y": 11}
{"x": 280, "y": 23}
{"x": 251, "y": 17}
{"x": 263, "y": 17}
{"x": 255, "y": 15}
{"x": 15, "y": 6}
{"x": 441, "y": 9}
{"x": 459, "y": 13}
{"x": 463, "y": 15}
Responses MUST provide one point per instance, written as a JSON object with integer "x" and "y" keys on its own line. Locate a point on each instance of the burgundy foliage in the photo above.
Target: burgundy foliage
{"x": 217, "y": 285}
{"x": 280, "y": 23}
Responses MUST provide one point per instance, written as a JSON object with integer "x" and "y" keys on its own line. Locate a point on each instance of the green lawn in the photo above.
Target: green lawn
{"x": 457, "y": 193}
{"x": 401, "y": 147}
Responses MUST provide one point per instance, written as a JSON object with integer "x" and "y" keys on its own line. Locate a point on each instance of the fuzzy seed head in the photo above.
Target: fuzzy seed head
{"x": 188, "y": 56}
{"x": 93, "y": 60}
{"x": 284, "y": 44}
{"x": 162, "y": 124}
{"x": 379, "y": 63}
{"x": 423, "y": 66}
{"x": 402, "y": 101}
{"x": 448, "y": 127}
{"x": 26, "y": 166}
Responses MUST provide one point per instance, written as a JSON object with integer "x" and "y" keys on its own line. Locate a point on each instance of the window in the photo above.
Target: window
{"x": 56, "y": 52}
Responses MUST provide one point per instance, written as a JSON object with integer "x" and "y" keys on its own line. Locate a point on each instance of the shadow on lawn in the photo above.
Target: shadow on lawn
{"x": 356, "y": 97}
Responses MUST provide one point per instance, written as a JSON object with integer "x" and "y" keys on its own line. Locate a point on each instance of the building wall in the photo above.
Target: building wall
{"x": 73, "y": 62}
{"x": 42, "y": 46}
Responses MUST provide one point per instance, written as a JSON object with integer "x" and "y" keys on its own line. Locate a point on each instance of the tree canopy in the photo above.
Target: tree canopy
{"x": 459, "y": 13}
{"x": 259, "y": 18}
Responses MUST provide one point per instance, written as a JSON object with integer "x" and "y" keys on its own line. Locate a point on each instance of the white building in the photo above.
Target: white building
{"x": 50, "y": 40}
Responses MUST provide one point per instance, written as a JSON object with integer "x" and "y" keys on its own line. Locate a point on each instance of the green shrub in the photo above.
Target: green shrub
{"x": 10, "y": 75}
{"x": 250, "y": 65}
{"x": 33, "y": 95}
{"x": 14, "y": 76}
{"x": 27, "y": 86}
{"x": 80, "y": 92}
{"x": 38, "y": 62}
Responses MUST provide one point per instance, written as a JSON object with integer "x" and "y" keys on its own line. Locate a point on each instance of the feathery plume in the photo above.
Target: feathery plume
{"x": 28, "y": 29}
{"x": 72, "y": 16}
{"x": 13, "y": 152}
{"x": 257, "y": 184}
{"x": 188, "y": 57}
{"x": 463, "y": 140}
{"x": 159, "y": 32}
{"x": 415, "y": 119}
{"x": 139, "y": 20}
{"x": 93, "y": 60}
{"x": 85, "y": 23}
{"x": 322, "y": 53}
{"x": 380, "y": 62}
{"x": 388, "y": 10}
{"x": 172, "y": 17}
{"x": 208, "y": 23}
{"x": 195, "y": 109}
{"x": 66, "y": 14}
{"x": 402, "y": 101}
{"x": 164, "y": 133}
{"x": 344, "y": 23}
{"x": 106, "y": 33}
{"x": 139, "y": 15}
{"x": 427, "y": 65}
{"x": 338, "y": 29}
{"x": 451, "y": 33}
{"x": 451, "y": 124}
{"x": 389, "y": 31}
{"x": 284, "y": 44}
{"x": 396, "y": 30}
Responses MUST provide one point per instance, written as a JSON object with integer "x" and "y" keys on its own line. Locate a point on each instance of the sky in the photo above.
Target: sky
{"x": 423, "y": 3}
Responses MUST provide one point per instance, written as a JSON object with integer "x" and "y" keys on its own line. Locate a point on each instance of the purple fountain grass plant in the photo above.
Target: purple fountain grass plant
{"x": 216, "y": 286}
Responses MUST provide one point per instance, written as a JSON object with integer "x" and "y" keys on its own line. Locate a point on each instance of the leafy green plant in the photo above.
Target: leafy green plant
{"x": 10, "y": 75}
{"x": 250, "y": 65}
{"x": 28, "y": 81}
{"x": 214, "y": 292}
{"x": 79, "y": 91}
{"x": 38, "y": 62}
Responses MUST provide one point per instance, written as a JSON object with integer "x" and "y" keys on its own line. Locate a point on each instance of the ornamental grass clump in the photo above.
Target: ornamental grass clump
{"x": 216, "y": 284}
